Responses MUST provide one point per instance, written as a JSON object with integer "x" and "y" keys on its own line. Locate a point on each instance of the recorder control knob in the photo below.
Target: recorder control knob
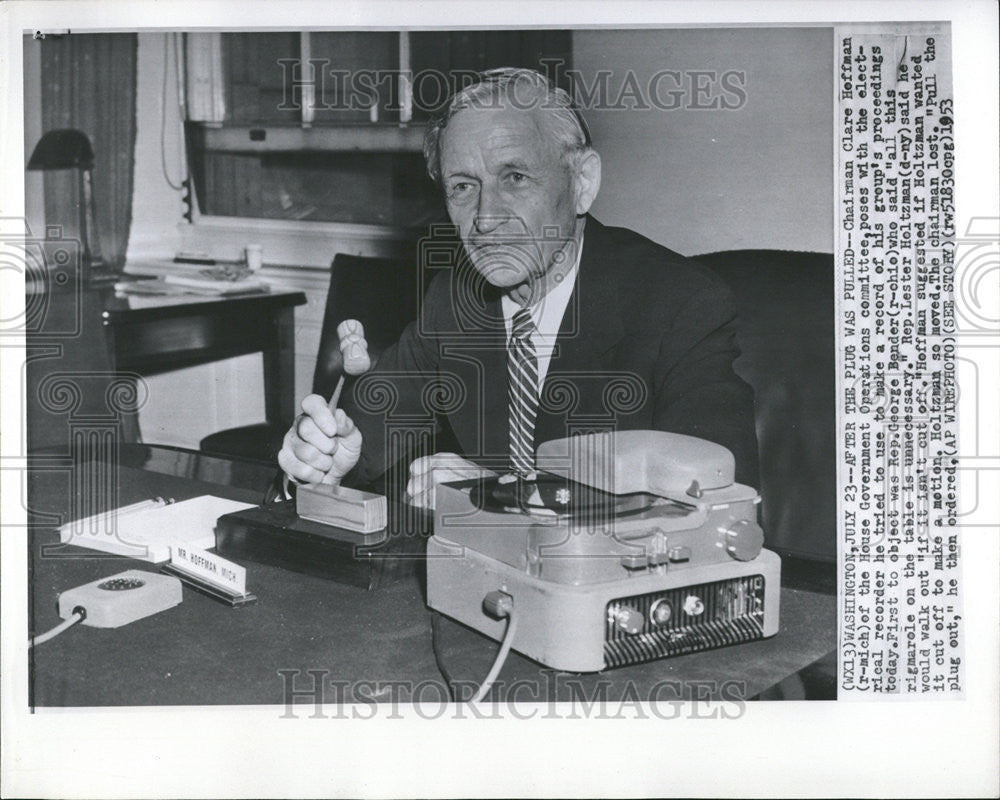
{"x": 661, "y": 612}
{"x": 629, "y": 620}
{"x": 744, "y": 539}
{"x": 693, "y": 605}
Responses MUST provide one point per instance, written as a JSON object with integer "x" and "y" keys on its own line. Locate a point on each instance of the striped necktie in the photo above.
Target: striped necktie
{"x": 522, "y": 393}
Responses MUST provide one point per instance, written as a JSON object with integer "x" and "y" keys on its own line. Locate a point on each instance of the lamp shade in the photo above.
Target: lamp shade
{"x": 66, "y": 148}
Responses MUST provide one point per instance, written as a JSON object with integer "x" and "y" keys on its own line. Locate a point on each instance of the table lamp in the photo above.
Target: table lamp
{"x": 68, "y": 148}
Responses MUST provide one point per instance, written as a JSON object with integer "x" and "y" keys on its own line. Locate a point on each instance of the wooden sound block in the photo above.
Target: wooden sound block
{"x": 341, "y": 507}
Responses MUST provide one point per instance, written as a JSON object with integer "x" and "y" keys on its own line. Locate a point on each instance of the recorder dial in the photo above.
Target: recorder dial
{"x": 661, "y": 612}
{"x": 693, "y": 605}
{"x": 629, "y": 620}
{"x": 744, "y": 540}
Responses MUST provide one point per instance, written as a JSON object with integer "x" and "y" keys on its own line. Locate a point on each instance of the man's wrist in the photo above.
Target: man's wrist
{"x": 327, "y": 479}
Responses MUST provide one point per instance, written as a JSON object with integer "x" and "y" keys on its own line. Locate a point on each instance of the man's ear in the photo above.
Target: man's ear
{"x": 588, "y": 181}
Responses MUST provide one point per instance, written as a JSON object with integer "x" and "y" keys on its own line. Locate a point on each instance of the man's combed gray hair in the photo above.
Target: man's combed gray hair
{"x": 520, "y": 88}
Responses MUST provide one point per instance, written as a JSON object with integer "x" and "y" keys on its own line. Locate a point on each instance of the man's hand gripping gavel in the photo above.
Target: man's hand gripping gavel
{"x": 323, "y": 444}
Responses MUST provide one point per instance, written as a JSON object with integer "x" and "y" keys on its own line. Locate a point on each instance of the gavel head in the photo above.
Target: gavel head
{"x": 354, "y": 347}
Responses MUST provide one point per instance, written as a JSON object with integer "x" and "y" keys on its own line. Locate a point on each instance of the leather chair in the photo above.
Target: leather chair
{"x": 786, "y": 334}
{"x": 380, "y": 292}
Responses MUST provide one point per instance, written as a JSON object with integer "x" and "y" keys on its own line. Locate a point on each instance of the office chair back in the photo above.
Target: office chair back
{"x": 786, "y": 335}
{"x": 382, "y": 293}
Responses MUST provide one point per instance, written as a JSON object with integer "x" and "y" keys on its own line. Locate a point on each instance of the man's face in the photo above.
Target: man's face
{"x": 509, "y": 192}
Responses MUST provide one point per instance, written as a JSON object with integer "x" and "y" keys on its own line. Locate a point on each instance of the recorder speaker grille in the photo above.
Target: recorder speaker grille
{"x": 727, "y": 612}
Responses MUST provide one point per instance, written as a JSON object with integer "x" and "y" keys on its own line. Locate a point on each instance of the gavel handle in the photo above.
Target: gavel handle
{"x": 334, "y": 399}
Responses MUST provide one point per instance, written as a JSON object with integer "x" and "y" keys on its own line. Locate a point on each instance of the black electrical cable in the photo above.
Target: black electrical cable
{"x": 275, "y": 492}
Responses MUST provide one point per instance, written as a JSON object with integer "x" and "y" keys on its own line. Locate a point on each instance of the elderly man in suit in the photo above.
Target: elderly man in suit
{"x": 555, "y": 325}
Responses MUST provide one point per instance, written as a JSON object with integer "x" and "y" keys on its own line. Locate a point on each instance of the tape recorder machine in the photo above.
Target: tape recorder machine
{"x": 624, "y": 547}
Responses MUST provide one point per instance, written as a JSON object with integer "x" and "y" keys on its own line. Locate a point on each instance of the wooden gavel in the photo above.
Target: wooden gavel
{"x": 354, "y": 349}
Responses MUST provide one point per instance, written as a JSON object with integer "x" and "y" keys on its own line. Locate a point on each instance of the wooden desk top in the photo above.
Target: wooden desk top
{"x": 204, "y": 653}
{"x": 136, "y": 307}
{"x": 61, "y": 310}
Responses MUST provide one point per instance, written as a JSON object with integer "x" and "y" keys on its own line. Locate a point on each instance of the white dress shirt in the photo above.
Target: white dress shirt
{"x": 547, "y": 314}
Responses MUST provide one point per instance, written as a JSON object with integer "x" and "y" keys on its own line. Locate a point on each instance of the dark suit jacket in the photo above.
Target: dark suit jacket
{"x": 647, "y": 342}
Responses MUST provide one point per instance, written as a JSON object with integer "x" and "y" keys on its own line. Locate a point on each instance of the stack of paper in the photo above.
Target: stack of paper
{"x": 203, "y": 285}
{"x": 148, "y": 531}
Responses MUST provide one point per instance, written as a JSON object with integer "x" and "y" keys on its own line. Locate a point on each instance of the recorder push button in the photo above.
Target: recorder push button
{"x": 679, "y": 554}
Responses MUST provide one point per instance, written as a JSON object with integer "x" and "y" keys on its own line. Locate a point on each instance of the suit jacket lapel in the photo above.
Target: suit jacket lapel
{"x": 493, "y": 358}
{"x": 477, "y": 355}
{"x": 591, "y": 326}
